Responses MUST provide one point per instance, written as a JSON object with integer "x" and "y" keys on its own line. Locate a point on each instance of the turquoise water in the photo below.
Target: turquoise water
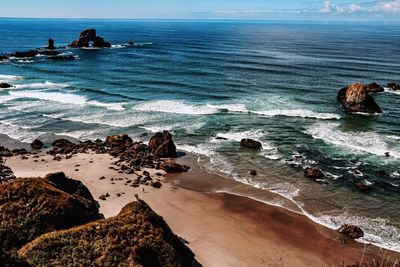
{"x": 272, "y": 81}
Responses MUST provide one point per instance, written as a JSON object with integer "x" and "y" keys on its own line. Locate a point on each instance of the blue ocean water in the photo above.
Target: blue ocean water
{"x": 272, "y": 81}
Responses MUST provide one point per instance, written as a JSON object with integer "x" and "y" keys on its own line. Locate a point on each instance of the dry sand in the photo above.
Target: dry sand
{"x": 222, "y": 229}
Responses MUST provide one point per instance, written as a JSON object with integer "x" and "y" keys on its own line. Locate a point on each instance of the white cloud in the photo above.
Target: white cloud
{"x": 330, "y": 7}
{"x": 380, "y": 6}
{"x": 391, "y": 6}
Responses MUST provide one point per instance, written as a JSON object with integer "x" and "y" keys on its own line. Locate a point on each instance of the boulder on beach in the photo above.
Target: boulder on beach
{"x": 172, "y": 167}
{"x": 249, "y": 143}
{"x": 162, "y": 145}
{"x": 355, "y": 98}
{"x": 5, "y": 85}
{"x": 37, "y": 144}
{"x": 374, "y": 88}
{"x": 313, "y": 173}
{"x": 351, "y": 231}
{"x": 394, "y": 86}
{"x": 89, "y": 38}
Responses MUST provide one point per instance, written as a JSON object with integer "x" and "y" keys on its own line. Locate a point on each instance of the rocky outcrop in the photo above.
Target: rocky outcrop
{"x": 37, "y": 144}
{"x": 59, "y": 58}
{"x": 26, "y": 54}
{"x": 135, "y": 237}
{"x": 5, "y": 85}
{"x": 51, "y": 44}
{"x": 162, "y": 145}
{"x": 249, "y": 143}
{"x": 49, "y": 52}
{"x": 351, "y": 231}
{"x": 172, "y": 167}
{"x": 314, "y": 173}
{"x": 30, "y": 207}
{"x": 89, "y": 38}
{"x": 355, "y": 98}
{"x": 394, "y": 86}
{"x": 2, "y": 57}
{"x": 374, "y": 88}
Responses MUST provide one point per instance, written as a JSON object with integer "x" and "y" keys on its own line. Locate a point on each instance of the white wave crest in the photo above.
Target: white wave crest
{"x": 369, "y": 142}
{"x": 302, "y": 113}
{"x": 47, "y": 84}
{"x": 177, "y": 107}
{"x": 10, "y": 77}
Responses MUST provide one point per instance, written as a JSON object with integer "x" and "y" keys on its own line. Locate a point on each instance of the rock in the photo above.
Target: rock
{"x": 31, "y": 207}
{"x": 171, "y": 167}
{"x": 351, "y": 231}
{"x": 313, "y": 173}
{"x": 61, "y": 143}
{"x": 374, "y": 88}
{"x": 89, "y": 38}
{"x": 27, "y": 54}
{"x": 2, "y": 57}
{"x": 37, "y": 144}
{"x": 253, "y": 172}
{"x": 49, "y": 53}
{"x": 394, "y": 86}
{"x": 67, "y": 57}
{"x": 137, "y": 236}
{"x": 51, "y": 44}
{"x": 251, "y": 143}
{"x": 156, "y": 184}
{"x": 162, "y": 145}
{"x": 363, "y": 186}
{"x": 355, "y": 98}
{"x": 5, "y": 85}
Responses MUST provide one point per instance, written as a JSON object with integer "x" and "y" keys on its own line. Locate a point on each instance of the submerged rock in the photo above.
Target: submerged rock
{"x": 37, "y": 144}
{"x": 2, "y": 57}
{"x": 355, "y": 98}
{"x": 394, "y": 86}
{"x": 137, "y": 236}
{"x": 49, "y": 53}
{"x": 26, "y": 54}
{"x": 5, "y": 85}
{"x": 89, "y": 38}
{"x": 249, "y": 143}
{"x": 362, "y": 186}
{"x": 351, "y": 231}
{"x": 162, "y": 145}
{"x": 67, "y": 57}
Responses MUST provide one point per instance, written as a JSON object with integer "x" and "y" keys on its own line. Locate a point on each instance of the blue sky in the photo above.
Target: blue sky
{"x": 205, "y": 9}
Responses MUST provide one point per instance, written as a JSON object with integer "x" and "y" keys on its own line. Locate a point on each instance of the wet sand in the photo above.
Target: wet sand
{"x": 222, "y": 229}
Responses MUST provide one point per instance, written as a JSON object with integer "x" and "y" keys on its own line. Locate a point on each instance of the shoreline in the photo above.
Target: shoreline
{"x": 214, "y": 221}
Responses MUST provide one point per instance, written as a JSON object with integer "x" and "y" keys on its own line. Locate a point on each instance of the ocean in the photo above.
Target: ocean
{"x": 274, "y": 81}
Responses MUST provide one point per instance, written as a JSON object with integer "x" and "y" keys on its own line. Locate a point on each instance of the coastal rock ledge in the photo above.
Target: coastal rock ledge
{"x": 355, "y": 98}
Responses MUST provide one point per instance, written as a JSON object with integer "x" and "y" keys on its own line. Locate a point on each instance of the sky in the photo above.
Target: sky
{"x": 352, "y": 10}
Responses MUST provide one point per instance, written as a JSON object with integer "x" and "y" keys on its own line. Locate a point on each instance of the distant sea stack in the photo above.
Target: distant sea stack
{"x": 89, "y": 38}
{"x": 356, "y": 98}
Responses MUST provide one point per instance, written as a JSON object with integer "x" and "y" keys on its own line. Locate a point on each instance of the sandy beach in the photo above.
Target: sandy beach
{"x": 222, "y": 229}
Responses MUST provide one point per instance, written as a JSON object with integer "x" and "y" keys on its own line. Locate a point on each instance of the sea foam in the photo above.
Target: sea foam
{"x": 302, "y": 113}
{"x": 174, "y": 106}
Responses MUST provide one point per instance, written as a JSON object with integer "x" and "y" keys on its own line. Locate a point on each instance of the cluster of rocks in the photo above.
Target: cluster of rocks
{"x": 89, "y": 38}
{"x": 356, "y": 97}
{"x": 6, "y": 174}
{"x": 351, "y": 231}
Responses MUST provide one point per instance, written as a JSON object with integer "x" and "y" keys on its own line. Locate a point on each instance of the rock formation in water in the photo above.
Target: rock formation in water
{"x": 355, "y": 98}
{"x": 89, "y": 38}
{"x": 26, "y": 54}
{"x": 135, "y": 237}
{"x": 374, "y": 88}
{"x": 5, "y": 85}
{"x": 313, "y": 173}
{"x": 51, "y": 44}
{"x": 351, "y": 231}
{"x": 37, "y": 144}
{"x": 249, "y": 143}
{"x": 394, "y": 86}
{"x": 162, "y": 145}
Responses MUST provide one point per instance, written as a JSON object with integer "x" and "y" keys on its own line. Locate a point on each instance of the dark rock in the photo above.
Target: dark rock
{"x": 156, "y": 184}
{"x": 251, "y": 143}
{"x": 313, "y": 173}
{"x": 394, "y": 86}
{"x": 374, "y": 88}
{"x": 221, "y": 138}
{"x": 49, "y": 53}
{"x": 5, "y": 85}
{"x": 355, "y": 98}
{"x": 351, "y": 231}
{"x": 253, "y": 172}
{"x": 26, "y": 54}
{"x": 171, "y": 167}
{"x": 51, "y": 44}
{"x": 37, "y": 144}
{"x": 382, "y": 173}
{"x": 89, "y": 38}
{"x": 61, "y": 143}
{"x": 67, "y": 57}
{"x": 162, "y": 145}
{"x": 2, "y": 57}
{"x": 363, "y": 187}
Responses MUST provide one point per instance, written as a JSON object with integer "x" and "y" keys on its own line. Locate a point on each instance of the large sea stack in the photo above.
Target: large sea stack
{"x": 355, "y": 98}
{"x": 89, "y": 38}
